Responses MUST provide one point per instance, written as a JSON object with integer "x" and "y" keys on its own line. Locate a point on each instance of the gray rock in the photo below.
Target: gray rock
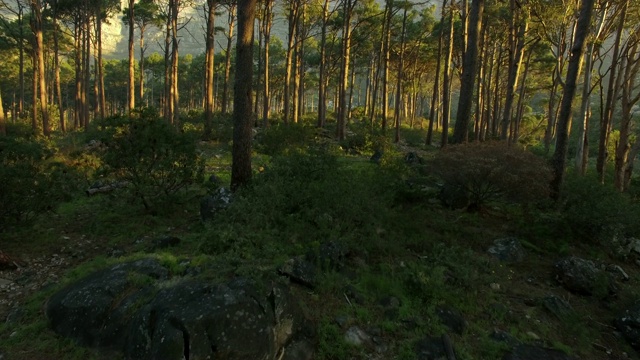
{"x": 82, "y": 310}
{"x": 557, "y": 306}
{"x": 504, "y": 337}
{"x": 356, "y": 336}
{"x": 212, "y": 204}
{"x": 531, "y": 352}
{"x": 629, "y": 325}
{"x": 583, "y": 277}
{"x": 299, "y": 350}
{"x": 507, "y": 249}
{"x": 15, "y": 315}
{"x": 300, "y": 271}
{"x": 136, "y": 309}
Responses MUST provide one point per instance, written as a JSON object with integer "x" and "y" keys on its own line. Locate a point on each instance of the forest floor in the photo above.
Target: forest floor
{"x": 402, "y": 243}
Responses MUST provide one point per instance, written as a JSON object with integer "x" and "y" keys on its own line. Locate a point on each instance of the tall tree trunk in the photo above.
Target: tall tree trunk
{"x": 131, "y": 92}
{"x": 267, "y": 23}
{"x": 36, "y": 7}
{"x": 175, "y": 95}
{"x": 56, "y": 65}
{"x": 141, "y": 61}
{"x": 102, "y": 99}
{"x": 292, "y": 26}
{"x": 3, "y": 125}
{"x": 630, "y": 67}
{"x": 607, "y": 116}
{"x": 322, "y": 103}
{"x": 242, "y": 115}
{"x": 469, "y": 69}
{"x": 562, "y": 144}
{"x": 396, "y": 114}
{"x": 386, "y": 54}
{"x": 167, "y": 97}
{"x": 446, "y": 78}
{"x": 227, "y": 64}
{"x": 209, "y": 70}
{"x": 344, "y": 68}
{"x": 435, "y": 97}
{"x": 582, "y": 150}
{"x": 516, "y": 49}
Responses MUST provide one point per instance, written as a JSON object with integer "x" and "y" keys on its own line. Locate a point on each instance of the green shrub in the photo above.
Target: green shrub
{"x": 281, "y": 139}
{"x": 31, "y": 182}
{"x": 595, "y": 212}
{"x": 361, "y": 137}
{"x": 493, "y": 172}
{"x": 150, "y": 156}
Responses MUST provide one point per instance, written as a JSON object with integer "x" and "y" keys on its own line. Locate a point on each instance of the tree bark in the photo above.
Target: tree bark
{"x": 606, "y": 119}
{"x": 209, "y": 70}
{"x": 131, "y": 104}
{"x": 469, "y": 69}
{"x": 560, "y": 154}
{"x": 267, "y": 23}
{"x": 3, "y": 125}
{"x": 242, "y": 112}
{"x": 227, "y": 64}
{"x": 446, "y": 78}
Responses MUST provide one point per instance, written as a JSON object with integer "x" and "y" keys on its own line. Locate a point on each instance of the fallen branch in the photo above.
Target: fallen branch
{"x": 106, "y": 188}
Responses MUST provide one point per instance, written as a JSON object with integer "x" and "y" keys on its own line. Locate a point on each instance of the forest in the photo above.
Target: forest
{"x": 397, "y": 179}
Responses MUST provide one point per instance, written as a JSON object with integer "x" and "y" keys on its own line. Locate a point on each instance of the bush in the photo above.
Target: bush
{"x": 282, "y": 139}
{"x": 31, "y": 182}
{"x": 594, "y": 211}
{"x": 147, "y": 153}
{"x": 492, "y": 172}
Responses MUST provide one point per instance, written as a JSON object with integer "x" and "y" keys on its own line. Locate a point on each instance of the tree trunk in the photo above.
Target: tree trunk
{"x": 209, "y": 70}
{"x": 227, "y": 64}
{"x": 607, "y": 116}
{"x": 56, "y": 65}
{"x": 242, "y": 116}
{"x": 516, "y": 50}
{"x": 322, "y": 103}
{"x": 630, "y": 67}
{"x": 268, "y": 21}
{"x": 435, "y": 97}
{"x": 560, "y": 154}
{"x": 131, "y": 104}
{"x": 3, "y": 126}
{"x": 446, "y": 78}
{"x": 469, "y": 69}
{"x": 344, "y": 71}
{"x": 582, "y": 151}
{"x": 396, "y": 114}
{"x": 175, "y": 98}
{"x": 36, "y": 8}
{"x": 386, "y": 54}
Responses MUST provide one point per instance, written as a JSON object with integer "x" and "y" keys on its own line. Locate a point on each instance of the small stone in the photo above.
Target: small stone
{"x": 356, "y": 336}
{"x": 495, "y": 286}
{"x": 533, "y": 335}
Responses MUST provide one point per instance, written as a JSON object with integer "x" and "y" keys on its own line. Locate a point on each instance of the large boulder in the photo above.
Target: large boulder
{"x": 137, "y": 309}
{"x": 629, "y": 325}
{"x": 86, "y": 310}
{"x": 583, "y": 277}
